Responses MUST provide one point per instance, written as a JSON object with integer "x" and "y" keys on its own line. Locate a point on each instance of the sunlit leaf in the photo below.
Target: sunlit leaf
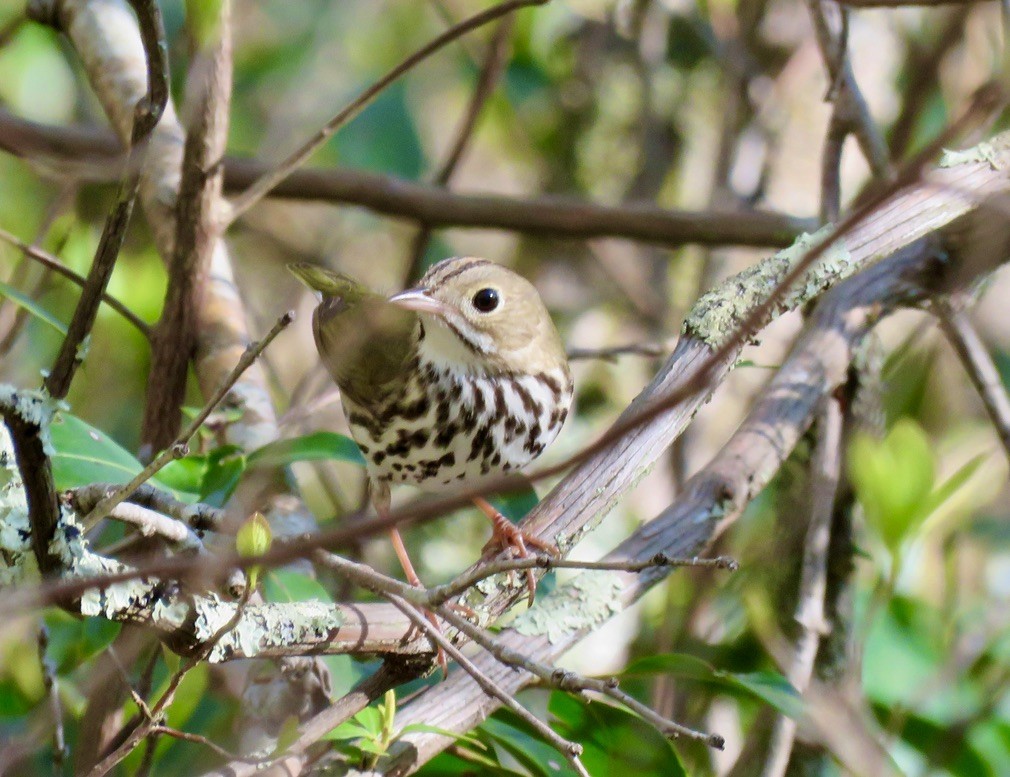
{"x": 318, "y": 446}
{"x": 285, "y": 585}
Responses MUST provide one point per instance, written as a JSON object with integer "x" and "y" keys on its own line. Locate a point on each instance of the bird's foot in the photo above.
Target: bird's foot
{"x": 506, "y": 536}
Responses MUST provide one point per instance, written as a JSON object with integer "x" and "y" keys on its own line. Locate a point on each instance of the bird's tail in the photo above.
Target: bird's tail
{"x": 330, "y": 283}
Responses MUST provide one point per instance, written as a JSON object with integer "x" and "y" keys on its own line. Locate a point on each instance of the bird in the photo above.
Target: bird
{"x": 453, "y": 382}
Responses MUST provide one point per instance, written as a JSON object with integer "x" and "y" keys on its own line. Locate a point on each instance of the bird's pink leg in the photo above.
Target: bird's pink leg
{"x": 380, "y": 498}
{"x": 505, "y": 535}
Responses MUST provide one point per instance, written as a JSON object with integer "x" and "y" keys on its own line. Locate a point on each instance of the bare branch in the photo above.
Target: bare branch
{"x": 197, "y": 232}
{"x": 810, "y": 615}
{"x": 979, "y": 365}
{"x": 264, "y": 184}
{"x": 570, "y": 750}
{"x": 51, "y": 262}
{"x": 549, "y": 216}
{"x": 146, "y": 114}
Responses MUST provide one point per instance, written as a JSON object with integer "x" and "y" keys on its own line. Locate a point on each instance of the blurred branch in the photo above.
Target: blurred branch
{"x": 922, "y": 68}
{"x": 51, "y": 262}
{"x": 979, "y": 365}
{"x": 260, "y": 187}
{"x": 850, "y": 113}
{"x": 547, "y": 216}
{"x": 490, "y": 71}
{"x": 825, "y": 471}
{"x": 197, "y": 230}
{"x": 146, "y": 113}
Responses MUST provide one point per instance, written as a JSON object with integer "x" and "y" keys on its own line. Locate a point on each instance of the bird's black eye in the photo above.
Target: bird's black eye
{"x": 486, "y": 300}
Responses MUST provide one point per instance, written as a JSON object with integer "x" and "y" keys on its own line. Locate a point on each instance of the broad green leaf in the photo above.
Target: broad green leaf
{"x": 952, "y": 485}
{"x": 185, "y": 474}
{"x": 188, "y": 695}
{"x": 73, "y": 640}
{"x": 893, "y": 479}
{"x": 614, "y": 740}
{"x": 13, "y": 701}
{"x": 769, "y": 687}
{"x": 225, "y": 466}
{"x": 348, "y": 730}
{"x": 34, "y": 308}
{"x": 86, "y": 455}
{"x": 514, "y": 736}
{"x": 318, "y": 446}
{"x": 285, "y": 585}
{"x": 426, "y": 729}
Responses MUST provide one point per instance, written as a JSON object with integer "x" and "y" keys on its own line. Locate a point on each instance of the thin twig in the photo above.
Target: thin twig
{"x": 978, "y": 363}
{"x": 261, "y": 187}
{"x": 570, "y": 750}
{"x": 570, "y": 681}
{"x": 51, "y": 682}
{"x": 490, "y": 71}
{"x": 49, "y": 261}
{"x": 197, "y": 232}
{"x": 156, "y": 713}
{"x": 163, "y": 730}
{"x": 198, "y": 516}
{"x": 180, "y": 447}
{"x": 441, "y": 593}
{"x": 610, "y": 353}
{"x": 146, "y": 114}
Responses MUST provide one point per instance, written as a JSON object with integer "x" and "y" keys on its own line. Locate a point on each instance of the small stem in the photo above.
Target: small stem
{"x": 180, "y": 447}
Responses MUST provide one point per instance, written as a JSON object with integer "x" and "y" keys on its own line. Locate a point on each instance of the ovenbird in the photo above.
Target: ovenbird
{"x": 459, "y": 379}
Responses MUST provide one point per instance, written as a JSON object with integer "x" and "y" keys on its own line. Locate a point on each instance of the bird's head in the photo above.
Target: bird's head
{"x": 477, "y": 316}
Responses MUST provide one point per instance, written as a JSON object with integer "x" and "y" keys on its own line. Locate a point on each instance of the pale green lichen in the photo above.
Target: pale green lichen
{"x": 15, "y": 530}
{"x": 263, "y": 626}
{"x": 34, "y": 407}
{"x": 586, "y": 601}
{"x": 983, "y": 152}
{"x": 720, "y": 312}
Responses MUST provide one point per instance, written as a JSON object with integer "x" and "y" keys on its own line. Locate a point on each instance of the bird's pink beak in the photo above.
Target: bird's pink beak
{"x": 418, "y": 301}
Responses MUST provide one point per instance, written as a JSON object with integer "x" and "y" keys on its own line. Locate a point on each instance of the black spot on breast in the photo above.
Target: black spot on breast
{"x": 446, "y": 435}
{"x": 481, "y": 438}
{"x": 533, "y": 440}
{"x": 530, "y": 405}
{"x": 479, "y": 403}
{"x": 411, "y": 411}
{"x": 552, "y": 385}
{"x": 407, "y": 442}
{"x": 378, "y": 458}
{"x": 499, "y": 399}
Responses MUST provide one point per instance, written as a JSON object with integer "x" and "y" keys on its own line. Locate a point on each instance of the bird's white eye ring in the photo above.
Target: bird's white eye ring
{"x": 486, "y": 300}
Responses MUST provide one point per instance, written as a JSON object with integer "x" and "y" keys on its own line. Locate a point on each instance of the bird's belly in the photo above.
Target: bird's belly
{"x": 462, "y": 430}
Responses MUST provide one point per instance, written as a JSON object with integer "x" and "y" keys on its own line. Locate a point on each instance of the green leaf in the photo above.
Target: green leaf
{"x": 318, "y": 446}
{"x": 13, "y": 701}
{"x": 952, "y": 485}
{"x": 73, "y": 640}
{"x": 426, "y": 729}
{"x": 769, "y": 687}
{"x": 614, "y": 740}
{"x": 34, "y": 308}
{"x": 893, "y": 479}
{"x": 285, "y": 585}
{"x": 86, "y": 455}
{"x": 225, "y": 466}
